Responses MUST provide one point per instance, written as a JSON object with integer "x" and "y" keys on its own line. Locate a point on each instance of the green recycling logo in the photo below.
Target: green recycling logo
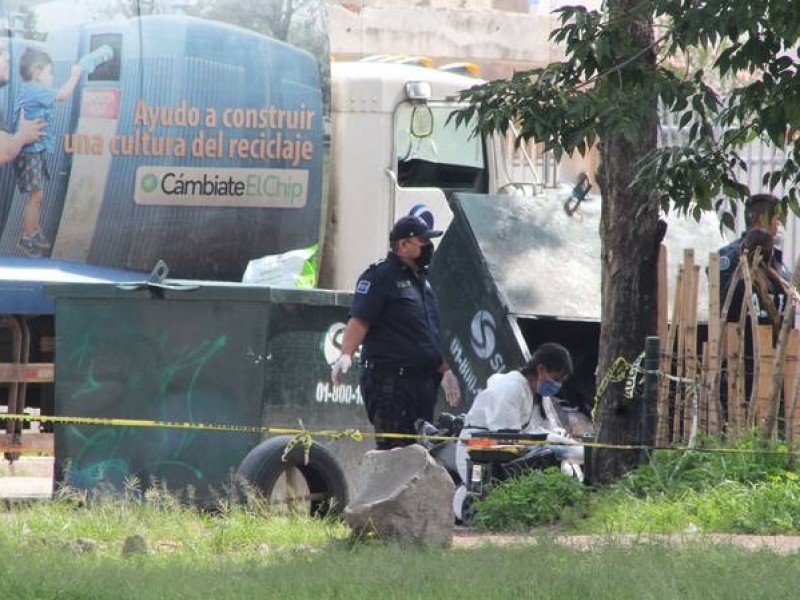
{"x": 149, "y": 183}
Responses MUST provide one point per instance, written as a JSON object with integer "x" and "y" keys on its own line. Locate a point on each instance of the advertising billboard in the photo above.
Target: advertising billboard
{"x": 185, "y": 131}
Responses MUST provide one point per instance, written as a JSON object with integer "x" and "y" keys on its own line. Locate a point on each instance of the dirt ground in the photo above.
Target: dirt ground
{"x": 783, "y": 544}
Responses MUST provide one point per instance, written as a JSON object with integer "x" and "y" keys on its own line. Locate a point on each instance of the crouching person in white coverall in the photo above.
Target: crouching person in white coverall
{"x": 523, "y": 401}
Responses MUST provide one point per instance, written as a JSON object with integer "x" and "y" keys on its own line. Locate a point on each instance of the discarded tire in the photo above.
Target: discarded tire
{"x": 318, "y": 486}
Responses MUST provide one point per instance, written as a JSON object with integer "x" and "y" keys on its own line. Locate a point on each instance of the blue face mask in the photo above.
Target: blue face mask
{"x": 548, "y": 387}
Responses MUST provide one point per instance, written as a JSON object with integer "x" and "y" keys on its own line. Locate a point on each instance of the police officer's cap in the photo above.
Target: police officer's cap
{"x": 412, "y": 226}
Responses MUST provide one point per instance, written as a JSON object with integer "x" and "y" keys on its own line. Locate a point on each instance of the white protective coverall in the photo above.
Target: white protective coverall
{"x": 508, "y": 403}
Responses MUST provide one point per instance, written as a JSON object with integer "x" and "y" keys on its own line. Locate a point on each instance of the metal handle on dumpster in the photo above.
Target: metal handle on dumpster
{"x": 159, "y": 272}
{"x": 156, "y": 282}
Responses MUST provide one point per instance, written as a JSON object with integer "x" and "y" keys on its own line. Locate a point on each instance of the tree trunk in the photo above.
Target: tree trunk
{"x": 629, "y": 269}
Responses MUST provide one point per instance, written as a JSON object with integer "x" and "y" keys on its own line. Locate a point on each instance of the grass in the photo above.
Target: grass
{"x": 334, "y": 569}
{"x": 747, "y": 488}
{"x": 765, "y": 508}
{"x": 535, "y": 499}
{"x": 167, "y": 525}
{"x": 250, "y": 552}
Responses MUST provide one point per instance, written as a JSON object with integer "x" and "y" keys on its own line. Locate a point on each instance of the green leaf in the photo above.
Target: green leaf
{"x": 728, "y": 221}
{"x": 794, "y": 206}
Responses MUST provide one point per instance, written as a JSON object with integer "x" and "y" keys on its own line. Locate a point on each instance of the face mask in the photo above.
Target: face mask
{"x": 548, "y": 387}
{"x": 425, "y": 256}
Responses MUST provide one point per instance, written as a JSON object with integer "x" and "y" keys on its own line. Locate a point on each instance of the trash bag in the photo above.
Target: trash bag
{"x": 293, "y": 269}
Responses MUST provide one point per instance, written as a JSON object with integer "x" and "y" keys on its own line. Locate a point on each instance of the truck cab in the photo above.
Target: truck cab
{"x": 394, "y": 148}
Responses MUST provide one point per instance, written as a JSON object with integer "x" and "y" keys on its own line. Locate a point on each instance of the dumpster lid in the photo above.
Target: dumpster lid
{"x": 23, "y": 281}
{"x": 546, "y": 263}
{"x": 197, "y": 290}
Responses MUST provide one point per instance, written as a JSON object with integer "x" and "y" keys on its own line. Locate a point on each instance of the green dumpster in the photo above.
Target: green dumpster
{"x": 211, "y": 353}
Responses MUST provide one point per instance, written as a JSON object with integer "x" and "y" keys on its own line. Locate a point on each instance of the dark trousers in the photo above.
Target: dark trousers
{"x": 394, "y": 402}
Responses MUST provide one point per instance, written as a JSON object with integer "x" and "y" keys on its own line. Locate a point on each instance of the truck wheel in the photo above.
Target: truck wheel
{"x": 468, "y": 510}
{"x": 318, "y": 488}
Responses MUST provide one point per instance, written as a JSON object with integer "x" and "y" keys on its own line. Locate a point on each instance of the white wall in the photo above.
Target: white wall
{"x": 516, "y": 39}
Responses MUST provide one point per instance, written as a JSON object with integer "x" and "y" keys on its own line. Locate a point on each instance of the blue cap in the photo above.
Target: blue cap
{"x": 411, "y": 226}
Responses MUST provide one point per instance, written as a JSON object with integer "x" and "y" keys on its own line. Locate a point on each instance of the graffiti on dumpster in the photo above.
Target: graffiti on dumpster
{"x": 98, "y": 458}
{"x": 182, "y": 361}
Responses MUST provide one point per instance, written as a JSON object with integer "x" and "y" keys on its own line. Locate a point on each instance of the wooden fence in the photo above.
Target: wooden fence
{"x": 726, "y": 378}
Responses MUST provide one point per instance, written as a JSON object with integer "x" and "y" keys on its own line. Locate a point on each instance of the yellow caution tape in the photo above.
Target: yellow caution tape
{"x": 304, "y": 437}
{"x": 621, "y": 370}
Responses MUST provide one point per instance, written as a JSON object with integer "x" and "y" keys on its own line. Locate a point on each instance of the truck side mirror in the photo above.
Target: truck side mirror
{"x": 421, "y": 121}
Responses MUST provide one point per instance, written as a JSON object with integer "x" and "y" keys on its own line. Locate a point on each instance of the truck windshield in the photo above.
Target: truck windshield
{"x": 434, "y": 153}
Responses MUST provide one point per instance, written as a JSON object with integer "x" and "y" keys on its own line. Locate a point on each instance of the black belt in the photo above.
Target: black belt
{"x": 411, "y": 371}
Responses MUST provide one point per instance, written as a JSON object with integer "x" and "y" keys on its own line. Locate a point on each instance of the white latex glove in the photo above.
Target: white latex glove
{"x": 452, "y": 393}
{"x": 340, "y": 367}
{"x": 559, "y": 437}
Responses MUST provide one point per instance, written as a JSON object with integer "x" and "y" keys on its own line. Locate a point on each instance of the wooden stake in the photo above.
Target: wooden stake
{"x": 667, "y": 346}
{"x": 776, "y": 384}
{"x": 749, "y": 309}
{"x": 702, "y": 399}
{"x": 690, "y": 341}
{"x": 791, "y": 384}
{"x": 733, "y": 349}
{"x": 669, "y": 403}
{"x": 726, "y": 350}
{"x": 790, "y": 373}
{"x": 677, "y": 428}
{"x": 766, "y": 360}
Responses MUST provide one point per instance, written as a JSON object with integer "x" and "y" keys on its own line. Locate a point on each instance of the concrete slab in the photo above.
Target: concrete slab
{"x": 26, "y": 488}
{"x": 29, "y": 478}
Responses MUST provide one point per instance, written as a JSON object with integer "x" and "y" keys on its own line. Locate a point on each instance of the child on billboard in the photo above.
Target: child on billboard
{"x": 37, "y": 97}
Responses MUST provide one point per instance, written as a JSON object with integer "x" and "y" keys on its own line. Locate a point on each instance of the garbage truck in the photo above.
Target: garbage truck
{"x": 202, "y": 146}
{"x": 198, "y": 146}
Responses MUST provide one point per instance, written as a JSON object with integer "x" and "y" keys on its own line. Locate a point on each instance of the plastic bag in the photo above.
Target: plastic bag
{"x": 293, "y": 269}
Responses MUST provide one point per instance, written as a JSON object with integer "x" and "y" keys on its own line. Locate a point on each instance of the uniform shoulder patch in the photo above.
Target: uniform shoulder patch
{"x": 362, "y": 287}
{"x": 724, "y": 263}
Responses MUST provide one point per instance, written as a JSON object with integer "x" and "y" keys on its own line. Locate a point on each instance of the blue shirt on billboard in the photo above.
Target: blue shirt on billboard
{"x": 37, "y": 101}
{"x": 402, "y": 313}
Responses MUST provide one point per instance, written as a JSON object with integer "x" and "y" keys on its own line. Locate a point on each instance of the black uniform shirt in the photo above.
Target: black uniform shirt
{"x": 729, "y": 260}
{"x": 402, "y": 313}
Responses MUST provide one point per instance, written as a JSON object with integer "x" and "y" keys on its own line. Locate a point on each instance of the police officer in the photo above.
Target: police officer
{"x": 760, "y": 213}
{"x": 395, "y": 314}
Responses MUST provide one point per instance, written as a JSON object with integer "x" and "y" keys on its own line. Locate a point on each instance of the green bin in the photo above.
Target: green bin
{"x": 221, "y": 354}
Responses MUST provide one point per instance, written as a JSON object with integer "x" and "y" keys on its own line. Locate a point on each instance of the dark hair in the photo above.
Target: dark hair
{"x": 758, "y": 207}
{"x": 755, "y": 239}
{"x": 554, "y": 357}
{"x": 31, "y": 60}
